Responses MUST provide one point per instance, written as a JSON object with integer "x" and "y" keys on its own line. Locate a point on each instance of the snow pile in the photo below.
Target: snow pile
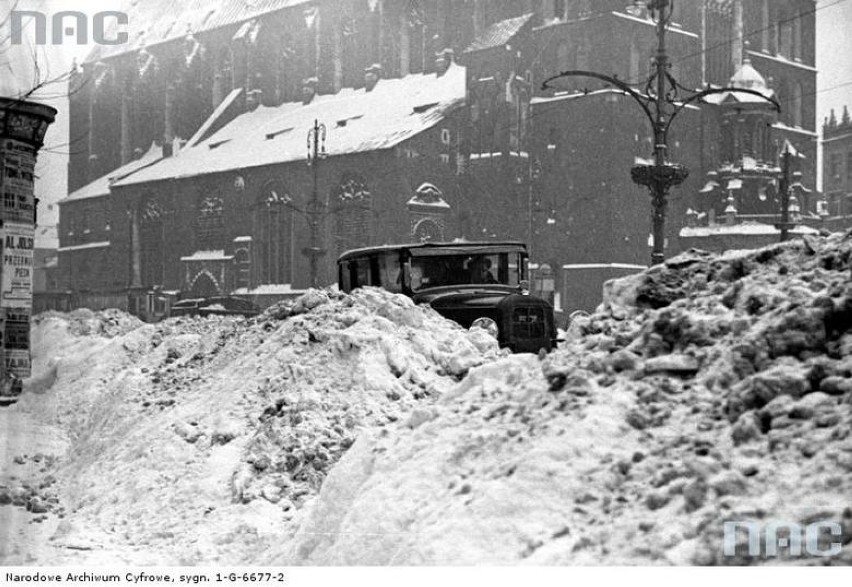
{"x": 709, "y": 389}
{"x": 361, "y": 429}
{"x": 84, "y": 322}
{"x": 202, "y": 439}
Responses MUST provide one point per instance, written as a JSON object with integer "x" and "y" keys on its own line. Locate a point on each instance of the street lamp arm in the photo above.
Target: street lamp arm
{"x": 710, "y": 91}
{"x": 623, "y": 86}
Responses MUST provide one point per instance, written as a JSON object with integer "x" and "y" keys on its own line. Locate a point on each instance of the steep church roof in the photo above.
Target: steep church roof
{"x": 499, "y": 33}
{"x": 100, "y": 186}
{"x": 152, "y": 22}
{"x": 357, "y": 121}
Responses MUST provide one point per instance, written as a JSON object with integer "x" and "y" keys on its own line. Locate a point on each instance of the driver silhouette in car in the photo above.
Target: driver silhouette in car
{"x": 480, "y": 271}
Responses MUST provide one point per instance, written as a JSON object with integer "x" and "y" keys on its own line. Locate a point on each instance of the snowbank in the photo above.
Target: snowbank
{"x": 360, "y": 429}
{"x": 709, "y": 389}
{"x": 202, "y": 439}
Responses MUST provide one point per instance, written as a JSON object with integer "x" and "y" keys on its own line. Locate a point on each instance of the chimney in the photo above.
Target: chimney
{"x": 371, "y": 76}
{"x": 443, "y": 61}
{"x": 309, "y": 90}
{"x": 94, "y": 167}
{"x": 253, "y": 100}
{"x": 691, "y": 218}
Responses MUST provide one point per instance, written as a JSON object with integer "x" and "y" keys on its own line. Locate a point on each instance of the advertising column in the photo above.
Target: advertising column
{"x": 22, "y": 129}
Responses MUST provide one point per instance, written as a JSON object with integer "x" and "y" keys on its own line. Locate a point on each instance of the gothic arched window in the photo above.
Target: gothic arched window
{"x": 209, "y": 224}
{"x": 354, "y": 203}
{"x": 274, "y": 235}
{"x": 796, "y": 105}
{"x": 428, "y": 230}
{"x": 786, "y": 33}
{"x": 226, "y": 70}
{"x": 152, "y": 237}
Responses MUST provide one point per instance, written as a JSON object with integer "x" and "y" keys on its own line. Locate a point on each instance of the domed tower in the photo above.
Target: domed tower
{"x": 746, "y": 181}
{"x": 747, "y": 119}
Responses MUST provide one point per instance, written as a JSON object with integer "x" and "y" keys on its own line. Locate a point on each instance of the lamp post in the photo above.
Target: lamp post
{"x": 785, "y": 195}
{"x": 661, "y": 102}
{"x": 316, "y": 151}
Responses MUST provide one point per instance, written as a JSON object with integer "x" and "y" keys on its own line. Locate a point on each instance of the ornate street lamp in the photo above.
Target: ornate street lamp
{"x": 661, "y": 102}
{"x": 315, "y": 211}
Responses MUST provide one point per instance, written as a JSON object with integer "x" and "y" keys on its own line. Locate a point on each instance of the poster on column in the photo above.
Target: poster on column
{"x": 17, "y": 166}
{"x": 16, "y": 273}
{"x": 16, "y": 341}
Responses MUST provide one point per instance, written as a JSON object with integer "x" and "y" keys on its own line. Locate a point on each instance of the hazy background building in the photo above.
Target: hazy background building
{"x": 509, "y": 160}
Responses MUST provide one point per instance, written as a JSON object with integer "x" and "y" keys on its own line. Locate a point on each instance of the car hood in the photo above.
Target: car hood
{"x": 472, "y": 296}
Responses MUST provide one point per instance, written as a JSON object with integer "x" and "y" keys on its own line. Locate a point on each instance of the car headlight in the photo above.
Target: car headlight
{"x": 486, "y": 324}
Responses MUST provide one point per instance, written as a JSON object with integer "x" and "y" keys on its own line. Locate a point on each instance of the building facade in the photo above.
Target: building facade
{"x": 837, "y": 167}
{"x": 482, "y": 151}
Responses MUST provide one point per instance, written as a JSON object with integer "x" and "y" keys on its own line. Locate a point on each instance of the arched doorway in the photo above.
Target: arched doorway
{"x": 204, "y": 286}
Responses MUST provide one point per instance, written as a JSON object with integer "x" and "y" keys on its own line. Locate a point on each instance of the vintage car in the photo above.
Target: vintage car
{"x": 481, "y": 283}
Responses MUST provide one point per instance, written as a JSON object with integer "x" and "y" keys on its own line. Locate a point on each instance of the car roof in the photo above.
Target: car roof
{"x": 428, "y": 248}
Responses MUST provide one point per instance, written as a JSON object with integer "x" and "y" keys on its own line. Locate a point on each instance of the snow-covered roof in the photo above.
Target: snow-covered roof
{"x": 574, "y": 266}
{"x": 271, "y": 289}
{"x": 647, "y": 21}
{"x": 795, "y": 129}
{"x": 499, "y": 33}
{"x": 745, "y": 78}
{"x": 100, "y": 187}
{"x": 85, "y": 247}
{"x": 356, "y": 120}
{"x": 153, "y": 22}
{"x": 745, "y": 228}
{"x": 208, "y": 256}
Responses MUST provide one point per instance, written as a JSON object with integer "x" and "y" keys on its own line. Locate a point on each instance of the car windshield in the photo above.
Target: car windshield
{"x": 448, "y": 270}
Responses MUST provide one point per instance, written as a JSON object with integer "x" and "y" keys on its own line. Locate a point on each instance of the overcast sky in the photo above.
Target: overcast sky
{"x": 834, "y": 56}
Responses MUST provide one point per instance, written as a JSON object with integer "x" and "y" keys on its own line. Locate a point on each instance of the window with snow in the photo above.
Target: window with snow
{"x": 152, "y": 242}
{"x": 354, "y": 207}
{"x": 834, "y": 166}
{"x": 796, "y": 105}
{"x": 274, "y": 235}
{"x": 225, "y": 74}
{"x": 209, "y": 223}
